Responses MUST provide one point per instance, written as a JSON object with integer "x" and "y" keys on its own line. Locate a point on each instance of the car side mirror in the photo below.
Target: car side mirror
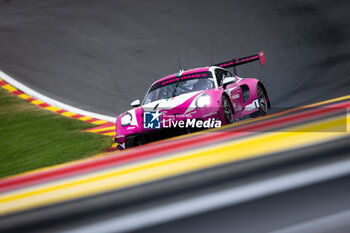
{"x": 135, "y": 103}
{"x": 227, "y": 81}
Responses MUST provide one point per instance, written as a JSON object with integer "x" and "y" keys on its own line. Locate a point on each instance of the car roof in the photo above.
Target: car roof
{"x": 190, "y": 71}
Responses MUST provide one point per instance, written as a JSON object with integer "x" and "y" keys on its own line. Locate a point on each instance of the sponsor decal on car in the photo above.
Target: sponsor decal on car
{"x": 235, "y": 96}
{"x": 192, "y": 123}
{"x": 254, "y": 105}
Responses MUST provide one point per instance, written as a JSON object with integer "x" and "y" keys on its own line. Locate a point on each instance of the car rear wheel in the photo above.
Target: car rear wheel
{"x": 262, "y": 101}
{"x": 227, "y": 109}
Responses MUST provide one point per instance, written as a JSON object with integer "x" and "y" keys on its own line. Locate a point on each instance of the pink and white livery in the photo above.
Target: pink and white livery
{"x": 192, "y": 100}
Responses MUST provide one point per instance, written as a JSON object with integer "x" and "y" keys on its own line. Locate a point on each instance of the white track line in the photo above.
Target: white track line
{"x": 330, "y": 223}
{"x": 53, "y": 102}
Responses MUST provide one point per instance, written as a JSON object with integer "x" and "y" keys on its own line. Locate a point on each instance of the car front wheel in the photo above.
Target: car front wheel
{"x": 227, "y": 109}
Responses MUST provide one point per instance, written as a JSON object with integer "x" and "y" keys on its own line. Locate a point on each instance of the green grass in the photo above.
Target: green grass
{"x": 31, "y": 137}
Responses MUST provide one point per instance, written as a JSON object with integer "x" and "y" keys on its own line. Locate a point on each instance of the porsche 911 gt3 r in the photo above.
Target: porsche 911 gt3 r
{"x": 190, "y": 100}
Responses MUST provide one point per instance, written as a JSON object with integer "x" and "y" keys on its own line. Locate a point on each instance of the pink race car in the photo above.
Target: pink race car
{"x": 192, "y": 100}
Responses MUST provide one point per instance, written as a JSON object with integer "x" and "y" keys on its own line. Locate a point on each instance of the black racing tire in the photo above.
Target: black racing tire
{"x": 262, "y": 101}
{"x": 227, "y": 109}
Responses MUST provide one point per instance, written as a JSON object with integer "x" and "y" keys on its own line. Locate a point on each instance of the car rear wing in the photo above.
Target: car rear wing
{"x": 240, "y": 61}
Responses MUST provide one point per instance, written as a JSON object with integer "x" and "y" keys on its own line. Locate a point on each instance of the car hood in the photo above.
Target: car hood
{"x": 181, "y": 102}
{"x": 175, "y": 105}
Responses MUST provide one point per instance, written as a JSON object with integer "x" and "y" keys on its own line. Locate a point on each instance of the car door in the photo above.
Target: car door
{"x": 233, "y": 90}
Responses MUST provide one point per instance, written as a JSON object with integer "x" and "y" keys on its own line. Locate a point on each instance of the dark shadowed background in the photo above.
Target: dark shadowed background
{"x": 100, "y": 55}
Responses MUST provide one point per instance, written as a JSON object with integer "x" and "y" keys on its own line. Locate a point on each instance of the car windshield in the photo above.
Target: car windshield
{"x": 179, "y": 85}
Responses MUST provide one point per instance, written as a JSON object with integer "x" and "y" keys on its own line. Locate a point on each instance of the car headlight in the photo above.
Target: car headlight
{"x": 203, "y": 101}
{"x": 126, "y": 119}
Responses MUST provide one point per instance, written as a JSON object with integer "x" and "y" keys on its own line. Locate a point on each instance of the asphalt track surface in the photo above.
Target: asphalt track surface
{"x": 101, "y": 55}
